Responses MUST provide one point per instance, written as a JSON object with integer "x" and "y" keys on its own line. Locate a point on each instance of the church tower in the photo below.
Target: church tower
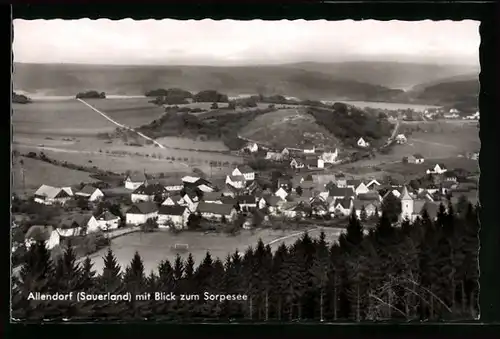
{"x": 406, "y": 204}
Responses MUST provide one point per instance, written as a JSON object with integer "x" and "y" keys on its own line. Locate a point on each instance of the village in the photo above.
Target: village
{"x": 307, "y": 188}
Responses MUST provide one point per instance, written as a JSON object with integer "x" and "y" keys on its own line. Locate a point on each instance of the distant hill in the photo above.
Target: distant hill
{"x": 369, "y": 81}
{"x": 461, "y": 77}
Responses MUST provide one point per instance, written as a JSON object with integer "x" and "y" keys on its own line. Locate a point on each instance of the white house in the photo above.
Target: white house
{"x": 108, "y": 221}
{"x": 212, "y": 197}
{"x": 401, "y": 139}
{"x": 217, "y": 211}
{"x": 371, "y": 207}
{"x": 79, "y": 224}
{"x": 372, "y": 184}
{"x": 148, "y": 193}
{"x": 246, "y": 202}
{"x": 171, "y": 184}
{"x": 330, "y": 157}
{"x": 314, "y": 163}
{"x": 189, "y": 179}
{"x": 139, "y": 213}
{"x": 341, "y": 192}
{"x": 245, "y": 171}
{"x": 252, "y": 147}
{"x": 285, "y": 152}
{"x": 362, "y": 143}
{"x": 309, "y": 148}
{"x": 91, "y": 193}
{"x": 206, "y": 188}
{"x": 358, "y": 186}
{"x": 281, "y": 193}
{"x": 190, "y": 200}
{"x": 47, "y": 234}
{"x": 416, "y": 159}
{"x": 297, "y": 164}
{"x": 271, "y": 203}
{"x": 176, "y": 215}
{"x": 49, "y": 195}
{"x": 133, "y": 181}
{"x": 274, "y": 156}
{"x": 237, "y": 181}
{"x": 438, "y": 169}
{"x": 341, "y": 207}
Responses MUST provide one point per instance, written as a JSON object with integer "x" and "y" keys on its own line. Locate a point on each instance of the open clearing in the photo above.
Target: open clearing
{"x": 37, "y": 172}
{"x": 156, "y": 246}
{"x": 58, "y": 118}
{"x": 133, "y": 112}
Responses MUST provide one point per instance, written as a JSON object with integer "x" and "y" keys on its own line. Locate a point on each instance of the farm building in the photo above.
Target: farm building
{"x": 171, "y": 184}
{"x": 108, "y": 221}
{"x": 370, "y": 195}
{"x": 47, "y": 234}
{"x": 341, "y": 207}
{"x": 309, "y": 148}
{"x": 190, "y": 180}
{"x": 190, "y": 200}
{"x": 415, "y": 159}
{"x": 330, "y": 157}
{"x": 212, "y": 197}
{"x": 148, "y": 193}
{"x": 341, "y": 192}
{"x": 270, "y": 202}
{"x": 172, "y": 200}
{"x": 362, "y": 143}
{"x": 237, "y": 181}
{"x": 358, "y": 186}
{"x": 438, "y": 169}
{"x": 139, "y": 213}
{"x": 297, "y": 164}
{"x": 244, "y": 170}
{"x": 295, "y": 210}
{"x": 135, "y": 180}
{"x": 49, "y": 195}
{"x": 252, "y": 147}
{"x": 246, "y": 202}
{"x": 274, "y": 156}
{"x": 217, "y": 211}
{"x": 371, "y": 207}
{"x": 449, "y": 176}
{"x": 177, "y": 215}
{"x": 313, "y": 163}
{"x": 78, "y": 224}
{"x": 91, "y": 193}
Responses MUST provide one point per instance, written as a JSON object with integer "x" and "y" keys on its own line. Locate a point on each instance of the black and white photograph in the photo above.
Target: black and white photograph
{"x": 245, "y": 171}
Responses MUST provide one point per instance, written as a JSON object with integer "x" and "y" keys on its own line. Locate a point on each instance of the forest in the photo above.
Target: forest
{"x": 425, "y": 270}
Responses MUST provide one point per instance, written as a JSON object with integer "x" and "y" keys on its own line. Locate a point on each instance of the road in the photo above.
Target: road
{"x": 121, "y": 125}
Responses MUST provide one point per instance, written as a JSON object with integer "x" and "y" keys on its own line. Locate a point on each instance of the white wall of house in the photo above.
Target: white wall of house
{"x": 97, "y": 195}
{"x": 209, "y": 216}
{"x": 137, "y": 219}
{"x": 131, "y": 185}
{"x": 109, "y": 224}
{"x": 173, "y": 188}
{"x": 52, "y": 242}
{"x": 321, "y": 163}
{"x": 141, "y": 197}
{"x": 70, "y": 232}
{"x": 49, "y": 201}
{"x": 281, "y": 193}
{"x": 361, "y": 189}
{"x": 92, "y": 225}
{"x": 179, "y": 221}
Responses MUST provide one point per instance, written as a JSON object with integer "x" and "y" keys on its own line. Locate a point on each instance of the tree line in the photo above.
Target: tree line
{"x": 425, "y": 270}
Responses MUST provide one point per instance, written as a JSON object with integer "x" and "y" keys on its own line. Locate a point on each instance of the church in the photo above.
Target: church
{"x": 412, "y": 208}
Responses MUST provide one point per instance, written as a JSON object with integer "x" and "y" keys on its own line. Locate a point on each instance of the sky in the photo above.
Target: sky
{"x": 231, "y": 42}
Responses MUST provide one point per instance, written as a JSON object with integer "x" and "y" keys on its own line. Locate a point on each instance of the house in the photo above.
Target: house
{"x": 270, "y": 202}
{"x": 313, "y": 163}
{"x": 296, "y": 164}
{"x": 190, "y": 180}
{"x": 370, "y": 195}
{"x": 48, "y": 234}
{"x": 237, "y": 181}
{"x": 285, "y": 152}
{"x": 341, "y": 207}
{"x": 341, "y": 180}
{"x": 91, "y": 193}
{"x": 171, "y": 184}
{"x": 449, "y": 176}
{"x": 371, "y": 207}
{"x": 49, "y": 195}
{"x": 148, "y": 193}
{"x": 176, "y": 215}
{"x": 108, "y": 221}
{"x": 362, "y": 143}
{"x": 372, "y": 184}
{"x": 252, "y": 147}
{"x": 309, "y": 148}
{"x": 212, "y": 197}
{"x": 330, "y": 157}
{"x": 244, "y": 170}
{"x": 172, "y": 200}
{"x": 246, "y": 202}
{"x": 438, "y": 169}
{"x": 140, "y": 212}
{"x": 217, "y": 211}
{"x": 190, "y": 200}
{"x": 323, "y": 179}
{"x": 424, "y": 195}
{"x": 274, "y": 156}
{"x": 294, "y": 210}
{"x": 68, "y": 190}
{"x": 206, "y": 188}
{"x": 78, "y": 224}
{"x": 133, "y": 181}
{"x": 448, "y": 187}
{"x": 281, "y": 193}
{"x": 401, "y": 139}
{"x": 341, "y": 192}
{"x": 415, "y": 159}
{"x": 358, "y": 186}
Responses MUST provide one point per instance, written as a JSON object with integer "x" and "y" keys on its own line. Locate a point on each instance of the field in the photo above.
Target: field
{"x": 58, "y": 118}
{"x": 287, "y": 128}
{"x": 37, "y": 172}
{"x": 154, "y": 247}
{"x": 133, "y": 112}
{"x": 383, "y": 105}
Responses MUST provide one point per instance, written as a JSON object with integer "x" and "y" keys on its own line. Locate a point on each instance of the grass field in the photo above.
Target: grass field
{"x": 133, "y": 112}
{"x": 37, "y": 172}
{"x": 58, "y": 118}
{"x": 287, "y": 128}
{"x": 185, "y": 143}
{"x": 154, "y": 247}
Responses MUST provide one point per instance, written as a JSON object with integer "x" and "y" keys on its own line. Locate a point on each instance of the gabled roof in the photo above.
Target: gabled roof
{"x": 272, "y": 200}
{"x": 106, "y": 215}
{"x": 449, "y": 174}
{"x": 354, "y": 182}
{"x": 171, "y": 210}
{"x": 137, "y": 177}
{"x": 323, "y": 179}
{"x": 358, "y": 204}
{"x": 228, "y": 200}
{"x": 80, "y": 220}
{"x": 371, "y": 195}
{"x": 88, "y": 189}
{"x": 150, "y": 189}
{"x": 51, "y": 192}
{"x": 189, "y": 179}
{"x": 166, "y": 181}
{"x": 244, "y": 169}
{"x": 405, "y": 195}
{"x": 345, "y": 202}
{"x": 211, "y": 196}
{"x": 236, "y": 178}
{"x": 341, "y": 192}
{"x": 219, "y": 209}
{"x": 145, "y": 207}
{"x": 39, "y": 233}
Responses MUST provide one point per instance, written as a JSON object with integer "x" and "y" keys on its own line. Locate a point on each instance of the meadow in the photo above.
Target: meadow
{"x": 383, "y": 105}
{"x": 156, "y": 246}
{"x": 58, "y": 118}
{"x": 133, "y": 112}
{"x": 37, "y": 172}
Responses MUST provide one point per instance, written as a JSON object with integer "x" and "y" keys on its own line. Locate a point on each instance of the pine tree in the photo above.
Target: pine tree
{"x": 87, "y": 277}
{"x": 362, "y": 215}
{"x": 203, "y": 280}
{"x": 319, "y": 272}
{"x": 354, "y": 234}
{"x": 279, "y": 276}
{"x": 134, "y": 281}
{"x": 165, "y": 284}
